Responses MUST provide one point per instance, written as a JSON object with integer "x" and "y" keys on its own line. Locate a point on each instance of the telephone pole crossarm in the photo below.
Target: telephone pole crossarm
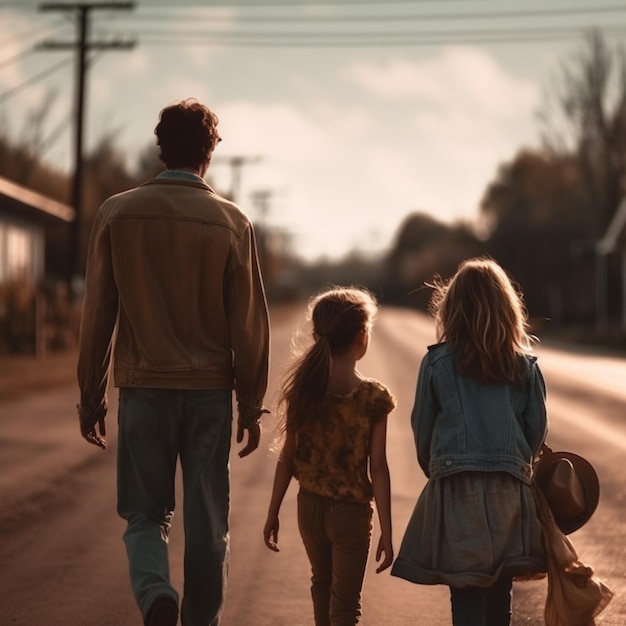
{"x": 94, "y": 45}
{"x": 64, "y": 6}
{"x": 236, "y": 163}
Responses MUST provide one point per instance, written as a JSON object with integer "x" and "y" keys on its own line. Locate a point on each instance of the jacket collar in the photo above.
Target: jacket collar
{"x": 180, "y": 175}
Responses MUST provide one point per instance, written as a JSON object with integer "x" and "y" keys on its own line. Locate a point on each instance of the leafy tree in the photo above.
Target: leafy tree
{"x": 425, "y": 247}
{"x": 540, "y": 232}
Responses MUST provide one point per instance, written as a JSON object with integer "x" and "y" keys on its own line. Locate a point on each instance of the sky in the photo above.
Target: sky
{"x": 350, "y": 114}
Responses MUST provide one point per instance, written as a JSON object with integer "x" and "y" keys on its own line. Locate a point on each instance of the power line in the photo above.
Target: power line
{"x": 332, "y": 35}
{"x": 502, "y": 40}
{"x": 34, "y": 79}
{"x": 20, "y": 37}
{"x": 383, "y": 36}
{"x": 167, "y": 4}
{"x": 278, "y": 19}
{"x": 31, "y": 32}
{"x": 344, "y": 38}
{"x": 290, "y": 3}
{"x": 265, "y": 5}
{"x": 16, "y": 57}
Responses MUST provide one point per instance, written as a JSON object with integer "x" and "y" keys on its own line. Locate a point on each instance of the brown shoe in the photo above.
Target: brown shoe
{"x": 163, "y": 612}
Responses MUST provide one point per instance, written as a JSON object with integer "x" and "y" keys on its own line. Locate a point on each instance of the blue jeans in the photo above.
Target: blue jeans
{"x": 156, "y": 427}
{"x": 477, "y": 606}
{"x": 336, "y": 535}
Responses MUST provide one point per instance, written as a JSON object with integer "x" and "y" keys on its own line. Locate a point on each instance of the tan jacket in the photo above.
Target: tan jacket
{"x": 173, "y": 268}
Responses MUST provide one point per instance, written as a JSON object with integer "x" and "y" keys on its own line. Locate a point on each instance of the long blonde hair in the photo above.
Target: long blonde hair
{"x": 481, "y": 313}
{"x": 337, "y": 316}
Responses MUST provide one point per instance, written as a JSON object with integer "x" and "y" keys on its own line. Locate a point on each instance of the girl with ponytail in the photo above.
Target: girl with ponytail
{"x": 334, "y": 422}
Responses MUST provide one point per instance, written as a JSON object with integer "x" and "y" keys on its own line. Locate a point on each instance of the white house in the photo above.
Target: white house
{"x": 613, "y": 242}
{"x": 23, "y": 217}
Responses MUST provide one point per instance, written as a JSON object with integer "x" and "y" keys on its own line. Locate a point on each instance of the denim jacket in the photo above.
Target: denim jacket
{"x": 172, "y": 268}
{"x": 461, "y": 425}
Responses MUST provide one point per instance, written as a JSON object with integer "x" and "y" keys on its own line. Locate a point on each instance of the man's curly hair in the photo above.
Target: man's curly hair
{"x": 186, "y": 134}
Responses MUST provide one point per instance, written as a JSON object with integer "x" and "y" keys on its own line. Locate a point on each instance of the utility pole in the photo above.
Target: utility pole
{"x": 82, "y": 46}
{"x": 261, "y": 199}
{"x": 236, "y": 163}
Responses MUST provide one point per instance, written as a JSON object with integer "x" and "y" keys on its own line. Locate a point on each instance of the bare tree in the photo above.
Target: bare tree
{"x": 585, "y": 115}
{"x": 33, "y": 143}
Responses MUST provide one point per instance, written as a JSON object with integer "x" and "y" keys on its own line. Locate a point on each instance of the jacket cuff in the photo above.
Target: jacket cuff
{"x": 88, "y": 410}
{"x": 249, "y": 415}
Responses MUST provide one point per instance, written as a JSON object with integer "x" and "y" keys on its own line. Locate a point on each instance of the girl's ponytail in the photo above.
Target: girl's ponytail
{"x": 305, "y": 384}
{"x": 337, "y": 316}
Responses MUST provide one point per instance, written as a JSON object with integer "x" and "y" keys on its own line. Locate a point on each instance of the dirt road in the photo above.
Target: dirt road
{"x": 62, "y": 561}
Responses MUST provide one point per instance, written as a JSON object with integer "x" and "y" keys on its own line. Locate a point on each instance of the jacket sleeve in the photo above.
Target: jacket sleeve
{"x": 99, "y": 315}
{"x": 423, "y": 414}
{"x": 249, "y": 327}
{"x": 534, "y": 416}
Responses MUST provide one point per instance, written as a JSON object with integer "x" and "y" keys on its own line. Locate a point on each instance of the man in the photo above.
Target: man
{"x": 172, "y": 268}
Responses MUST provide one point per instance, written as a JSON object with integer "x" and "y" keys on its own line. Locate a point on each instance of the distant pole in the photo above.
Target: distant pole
{"x": 236, "y": 163}
{"x": 602, "y": 317}
{"x": 82, "y": 46}
{"x": 261, "y": 199}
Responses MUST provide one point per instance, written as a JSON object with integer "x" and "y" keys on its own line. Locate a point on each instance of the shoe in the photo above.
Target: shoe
{"x": 163, "y": 612}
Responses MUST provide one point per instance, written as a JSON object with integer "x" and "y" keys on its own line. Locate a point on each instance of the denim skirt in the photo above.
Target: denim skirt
{"x": 469, "y": 529}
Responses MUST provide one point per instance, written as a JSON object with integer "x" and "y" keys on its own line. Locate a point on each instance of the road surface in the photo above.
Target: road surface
{"x": 62, "y": 561}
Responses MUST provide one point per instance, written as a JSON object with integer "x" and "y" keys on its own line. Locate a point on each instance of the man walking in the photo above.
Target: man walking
{"x": 172, "y": 268}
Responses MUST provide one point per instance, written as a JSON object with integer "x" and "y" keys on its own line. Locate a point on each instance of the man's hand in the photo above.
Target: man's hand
{"x": 88, "y": 419}
{"x": 254, "y": 436}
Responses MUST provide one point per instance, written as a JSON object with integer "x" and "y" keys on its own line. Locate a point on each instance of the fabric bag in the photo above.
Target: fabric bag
{"x": 575, "y": 595}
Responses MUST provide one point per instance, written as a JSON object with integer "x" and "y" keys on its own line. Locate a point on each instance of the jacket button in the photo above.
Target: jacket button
{"x": 448, "y": 462}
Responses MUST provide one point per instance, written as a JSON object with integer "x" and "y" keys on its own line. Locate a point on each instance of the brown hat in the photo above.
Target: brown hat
{"x": 570, "y": 485}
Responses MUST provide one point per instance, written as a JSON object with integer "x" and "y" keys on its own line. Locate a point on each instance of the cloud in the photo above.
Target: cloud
{"x": 220, "y": 19}
{"x": 320, "y": 132}
{"x": 426, "y": 136}
{"x": 308, "y": 165}
{"x": 459, "y": 77}
{"x": 462, "y": 112}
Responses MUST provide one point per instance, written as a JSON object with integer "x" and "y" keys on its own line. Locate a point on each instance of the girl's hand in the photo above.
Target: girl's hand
{"x": 384, "y": 546}
{"x": 270, "y": 533}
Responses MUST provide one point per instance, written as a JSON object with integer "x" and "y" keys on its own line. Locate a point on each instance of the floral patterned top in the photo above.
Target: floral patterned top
{"x": 332, "y": 453}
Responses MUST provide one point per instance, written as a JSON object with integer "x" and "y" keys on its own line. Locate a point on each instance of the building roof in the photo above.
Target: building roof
{"x": 615, "y": 236}
{"x": 24, "y": 201}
